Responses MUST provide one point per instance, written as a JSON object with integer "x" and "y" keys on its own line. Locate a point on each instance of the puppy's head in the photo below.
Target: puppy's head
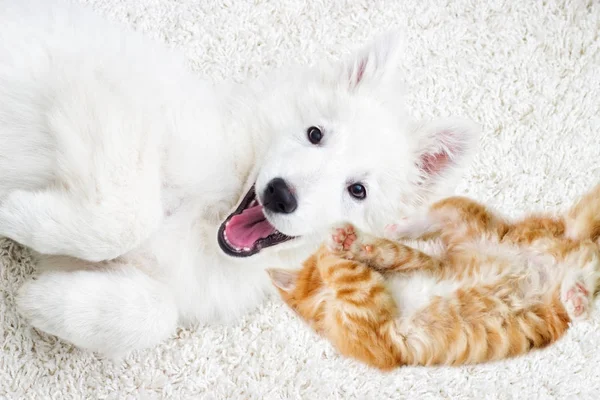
{"x": 344, "y": 150}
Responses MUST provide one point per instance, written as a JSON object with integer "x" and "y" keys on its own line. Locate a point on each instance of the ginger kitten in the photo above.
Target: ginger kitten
{"x": 498, "y": 290}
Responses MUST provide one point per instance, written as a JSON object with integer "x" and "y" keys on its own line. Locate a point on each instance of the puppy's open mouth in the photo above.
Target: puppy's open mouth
{"x": 247, "y": 231}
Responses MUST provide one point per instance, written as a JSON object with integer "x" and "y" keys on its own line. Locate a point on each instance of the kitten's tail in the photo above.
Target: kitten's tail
{"x": 582, "y": 221}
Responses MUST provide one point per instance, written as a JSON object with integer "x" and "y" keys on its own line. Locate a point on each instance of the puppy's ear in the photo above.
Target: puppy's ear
{"x": 283, "y": 279}
{"x": 376, "y": 63}
{"x": 445, "y": 147}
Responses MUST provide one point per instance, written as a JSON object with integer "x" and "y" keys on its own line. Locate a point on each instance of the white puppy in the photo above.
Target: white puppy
{"x": 154, "y": 198}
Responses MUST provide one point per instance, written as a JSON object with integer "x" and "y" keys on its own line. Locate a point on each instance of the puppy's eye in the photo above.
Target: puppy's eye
{"x": 357, "y": 191}
{"x": 314, "y": 135}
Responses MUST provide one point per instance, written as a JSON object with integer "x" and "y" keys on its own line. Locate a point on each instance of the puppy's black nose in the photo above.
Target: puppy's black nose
{"x": 278, "y": 197}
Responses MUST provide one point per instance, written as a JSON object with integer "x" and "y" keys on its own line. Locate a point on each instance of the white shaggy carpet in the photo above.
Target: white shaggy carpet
{"x": 529, "y": 71}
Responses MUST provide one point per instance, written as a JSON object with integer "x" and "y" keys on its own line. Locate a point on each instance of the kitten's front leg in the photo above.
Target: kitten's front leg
{"x": 449, "y": 218}
{"x": 382, "y": 254}
{"x": 419, "y": 227}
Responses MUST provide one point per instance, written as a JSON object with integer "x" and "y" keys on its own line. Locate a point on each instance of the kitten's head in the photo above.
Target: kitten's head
{"x": 304, "y": 290}
{"x": 309, "y": 292}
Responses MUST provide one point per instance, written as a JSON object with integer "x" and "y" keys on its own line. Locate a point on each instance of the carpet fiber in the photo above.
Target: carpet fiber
{"x": 528, "y": 71}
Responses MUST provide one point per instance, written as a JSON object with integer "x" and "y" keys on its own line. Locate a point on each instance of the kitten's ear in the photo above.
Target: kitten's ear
{"x": 373, "y": 64}
{"x": 445, "y": 147}
{"x": 284, "y": 279}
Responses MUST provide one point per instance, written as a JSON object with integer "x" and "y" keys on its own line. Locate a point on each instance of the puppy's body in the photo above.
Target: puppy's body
{"x": 119, "y": 168}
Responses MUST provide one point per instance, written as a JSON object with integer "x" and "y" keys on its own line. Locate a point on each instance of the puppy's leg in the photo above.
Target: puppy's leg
{"x": 109, "y": 311}
{"x": 57, "y": 222}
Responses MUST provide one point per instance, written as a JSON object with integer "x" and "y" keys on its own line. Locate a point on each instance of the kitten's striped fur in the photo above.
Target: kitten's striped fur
{"x": 498, "y": 290}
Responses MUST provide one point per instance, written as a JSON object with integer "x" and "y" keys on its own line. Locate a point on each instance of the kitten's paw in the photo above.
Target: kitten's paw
{"x": 342, "y": 238}
{"x": 346, "y": 241}
{"x": 397, "y": 230}
{"x": 576, "y": 298}
{"x": 412, "y": 227}
{"x": 578, "y": 287}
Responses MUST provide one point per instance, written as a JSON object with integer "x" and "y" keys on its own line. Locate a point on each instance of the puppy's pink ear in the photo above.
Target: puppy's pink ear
{"x": 373, "y": 64}
{"x": 282, "y": 278}
{"x": 445, "y": 147}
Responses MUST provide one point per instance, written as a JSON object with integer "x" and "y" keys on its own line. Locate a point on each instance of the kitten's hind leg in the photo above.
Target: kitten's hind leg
{"x": 575, "y": 298}
{"x": 579, "y": 284}
{"x": 583, "y": 219}
{"x": 384, "y": 255}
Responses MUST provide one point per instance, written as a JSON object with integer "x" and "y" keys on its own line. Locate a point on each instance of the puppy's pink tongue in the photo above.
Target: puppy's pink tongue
{"x": 243, "y": 230}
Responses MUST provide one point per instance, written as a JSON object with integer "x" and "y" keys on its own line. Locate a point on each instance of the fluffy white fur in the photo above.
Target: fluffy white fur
{"x": 527, "y": 70}
{"x": 118, "y": 166}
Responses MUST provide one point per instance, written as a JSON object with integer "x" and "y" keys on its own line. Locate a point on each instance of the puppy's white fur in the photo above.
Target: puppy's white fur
{"x": 118, "y": 166}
